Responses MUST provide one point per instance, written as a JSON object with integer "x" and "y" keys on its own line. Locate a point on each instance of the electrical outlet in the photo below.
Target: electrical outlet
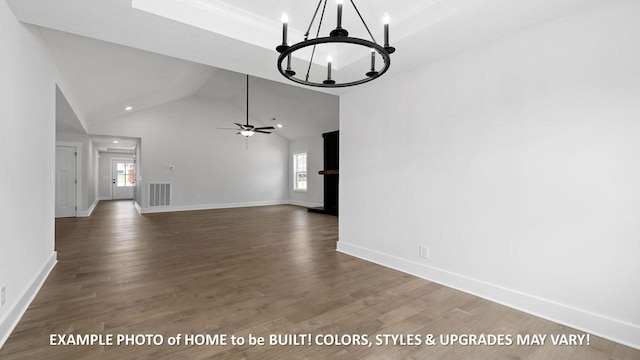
{"x": 3, "y": 296}
{"x": 424, "y": 251}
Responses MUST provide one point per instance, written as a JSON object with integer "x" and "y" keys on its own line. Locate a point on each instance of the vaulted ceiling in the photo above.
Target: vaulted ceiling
{"x": 115, "y": 53}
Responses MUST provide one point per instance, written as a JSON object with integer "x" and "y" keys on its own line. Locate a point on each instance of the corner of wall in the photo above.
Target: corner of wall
{"x": 87, "y": 213}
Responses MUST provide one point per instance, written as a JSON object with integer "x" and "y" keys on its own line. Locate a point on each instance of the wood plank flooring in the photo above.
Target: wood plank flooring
{"x": 259, "y": 271}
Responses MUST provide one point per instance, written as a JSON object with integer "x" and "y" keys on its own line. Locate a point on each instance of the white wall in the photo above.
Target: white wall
{"x": 27, "y": 144}
{"x": 212, "y": 168}
{"x": 517, "y": 164}
{"x": 314, "y": 196}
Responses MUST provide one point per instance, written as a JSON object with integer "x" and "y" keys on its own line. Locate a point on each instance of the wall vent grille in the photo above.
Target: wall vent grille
{"x": 159, "y": 194}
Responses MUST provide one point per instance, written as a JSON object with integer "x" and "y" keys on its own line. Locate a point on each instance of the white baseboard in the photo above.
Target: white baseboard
{"x": 305, "y": 203}
{"x": 149, "y": 210}
{"x": 87, "y": 213}
{"x": 19, "y": 307}
{"x": 602, "y": 326}
{"x": 104, "y": 197}
{"x": 138, "y": 207}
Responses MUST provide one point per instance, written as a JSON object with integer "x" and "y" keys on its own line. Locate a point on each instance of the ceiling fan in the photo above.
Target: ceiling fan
{"x": 247, "y": 130}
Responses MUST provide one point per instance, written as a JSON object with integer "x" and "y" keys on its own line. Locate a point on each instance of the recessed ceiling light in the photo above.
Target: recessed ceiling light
{"x": 279, "y": 125}
{"x": 128, "y": 108}
{"x": 115, "y": 141}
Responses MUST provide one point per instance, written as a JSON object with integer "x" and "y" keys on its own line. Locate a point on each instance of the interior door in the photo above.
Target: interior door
{"x": 66, "y": 182}
{"x": 123, "y": 179}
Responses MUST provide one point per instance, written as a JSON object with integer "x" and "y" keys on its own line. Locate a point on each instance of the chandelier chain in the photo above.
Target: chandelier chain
{"x": 306, "y": 35}
{"x": 363, "y": 22}
{"x": 313, "y": 52}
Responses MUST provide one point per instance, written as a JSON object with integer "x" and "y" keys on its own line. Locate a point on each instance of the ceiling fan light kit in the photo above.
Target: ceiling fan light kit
{"x": 247, "y": 130}
{"x": 339, "y": 35}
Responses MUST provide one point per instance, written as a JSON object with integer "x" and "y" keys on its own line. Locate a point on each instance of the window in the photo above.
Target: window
{"x": 300, "y": 171}
{"x": 125, "y": 174}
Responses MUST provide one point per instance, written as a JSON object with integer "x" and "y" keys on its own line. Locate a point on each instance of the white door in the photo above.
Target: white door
{"x": 66, "y": 182}
{"x": 123, "y": 179}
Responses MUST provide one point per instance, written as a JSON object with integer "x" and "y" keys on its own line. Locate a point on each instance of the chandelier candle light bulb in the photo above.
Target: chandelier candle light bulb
{"x": 285, "y": 30}
{"x": 385, "y": 20}
{"x": 285, "y": 25}
{"x": 339, "y": 31}
{"x": 329, "y": 81}
{"x": 373, "y": 72}
{"x": 373, "y": 59}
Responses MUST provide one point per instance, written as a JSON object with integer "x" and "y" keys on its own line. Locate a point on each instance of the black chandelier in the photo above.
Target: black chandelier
{"x": 338, "y": 35}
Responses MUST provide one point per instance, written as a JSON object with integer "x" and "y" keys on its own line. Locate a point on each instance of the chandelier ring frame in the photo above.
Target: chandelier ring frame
{"x": 285, "y": 51}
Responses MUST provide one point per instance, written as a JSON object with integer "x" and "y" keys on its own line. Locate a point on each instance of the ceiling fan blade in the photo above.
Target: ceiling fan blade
{"x": 265, "y": 128}
{"x": 239, "y": 125}
{"x": 262, "y": 132}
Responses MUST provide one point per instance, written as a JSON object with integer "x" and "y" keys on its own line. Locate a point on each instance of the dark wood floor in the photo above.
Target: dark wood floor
{"x": 260, "y": 271}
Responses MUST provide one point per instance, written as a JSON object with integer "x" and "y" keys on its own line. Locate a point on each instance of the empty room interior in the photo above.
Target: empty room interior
{"x": 432, "y": 179}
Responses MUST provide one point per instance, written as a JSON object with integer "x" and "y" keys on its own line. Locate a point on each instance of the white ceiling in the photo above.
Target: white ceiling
{"x": 118, "y": 58}
{"x": 123, "y": 145}
{"x": 106, "y": 77}
{"x": 67, "y": 122}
